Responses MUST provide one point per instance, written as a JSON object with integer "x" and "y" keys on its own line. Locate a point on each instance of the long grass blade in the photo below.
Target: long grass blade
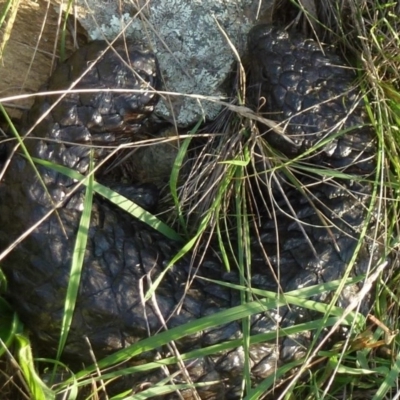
{"x": 77, "y": 261}
{"x": 38, "y": 389}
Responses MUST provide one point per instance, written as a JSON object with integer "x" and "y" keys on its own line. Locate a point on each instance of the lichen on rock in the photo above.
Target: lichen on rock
{"x": 193, "y": 53}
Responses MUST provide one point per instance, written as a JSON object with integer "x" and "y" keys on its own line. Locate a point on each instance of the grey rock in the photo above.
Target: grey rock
{"x": 188, "y": 39}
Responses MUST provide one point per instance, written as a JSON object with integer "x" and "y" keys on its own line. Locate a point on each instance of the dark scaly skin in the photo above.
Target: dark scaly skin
{"x": 122, "y": 254}
{"x": 121, "y": 251}
{"x": 312, "y": 93}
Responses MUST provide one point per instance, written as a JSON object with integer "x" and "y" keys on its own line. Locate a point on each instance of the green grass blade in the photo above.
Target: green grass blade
{"x": 37, "y": 388}
{"x": 77, "y": 262}
{"x": 391, "y": 380}
{"x": 174, "y": 179}
{"x": 10, "y": 325}
{"x": 243, "y": 252}
{"x": 117, "y": 199}
{"x": 5, "y": 9}
{"x": 64, "y": 29}
{"x": 212, "y": 321}
{"x": 160, "y": 390}
{"x": 25, "y": 151}
{"x": 206, "y": 351}
{"x": 299, "y": 297}
{"x": 262, "y": 387}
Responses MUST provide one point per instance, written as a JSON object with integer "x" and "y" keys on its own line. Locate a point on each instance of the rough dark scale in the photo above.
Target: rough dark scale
{"x": 294, "y": 76}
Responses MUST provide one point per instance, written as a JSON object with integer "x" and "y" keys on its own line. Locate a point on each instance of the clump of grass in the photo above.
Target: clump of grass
{"x": 368, "y": 31}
